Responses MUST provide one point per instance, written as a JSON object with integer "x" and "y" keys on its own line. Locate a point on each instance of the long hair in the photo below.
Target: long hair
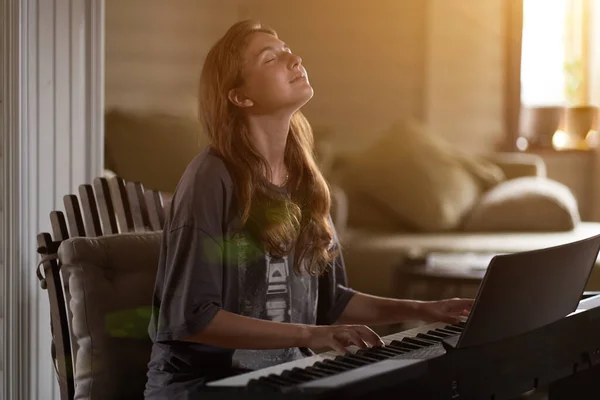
{"x": 297, "y": 220}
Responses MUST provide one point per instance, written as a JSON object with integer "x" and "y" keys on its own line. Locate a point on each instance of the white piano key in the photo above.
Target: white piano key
{"x": 243, "y": 379}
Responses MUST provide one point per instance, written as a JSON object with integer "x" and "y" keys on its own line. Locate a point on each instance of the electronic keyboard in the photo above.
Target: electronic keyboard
{"x": 562, "y": 358}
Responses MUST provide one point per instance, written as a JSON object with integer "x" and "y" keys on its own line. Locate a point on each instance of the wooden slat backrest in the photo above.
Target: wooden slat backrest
{"x": 105, "y": 206}
{"x": 90, "y": 211}
{"x": 156, "y": 211}
{"x": 109, "y": 207}
{"x": 74, "y": 218}
{"x": 121, "y": 204}
{"x": 61, "y": 345}
{"x": 139, "y": 211}
{"x": 59, "y": 226}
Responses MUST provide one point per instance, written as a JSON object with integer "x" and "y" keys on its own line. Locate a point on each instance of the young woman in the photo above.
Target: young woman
{"x": 250, "y": 271}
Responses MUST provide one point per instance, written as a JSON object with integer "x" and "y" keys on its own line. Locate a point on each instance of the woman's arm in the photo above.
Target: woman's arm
{"x": 372, "y": 310}
{"x": 238, "y": 332}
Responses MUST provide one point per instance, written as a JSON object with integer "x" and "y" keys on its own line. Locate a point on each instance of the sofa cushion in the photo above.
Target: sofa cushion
{"x": 374, "y": 261}
{"x": 525, "y": 204}
{"x": 419, "y": 181}
{"x": 110, "y": 281}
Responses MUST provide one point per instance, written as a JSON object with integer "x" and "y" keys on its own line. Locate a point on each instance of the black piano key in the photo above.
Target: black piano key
{"x": 341, "y": 364}
{"x": 454, "y": 328}
{"x": 278, "y": 379}
{"x": 429, "y": 337}
{"x": 350, "y": 359}
{"x": 461, "y": 324}
{"x": 367, "y": 356}
{"x": 446, "y": 331}
{"x": 329, "y": 368}
{"x": 316, "y": 372}
{"x": 400, "y": 345}
{"x": 388, "y": 351}
{"x": 419, "y": 341}
{"x": 437, "y": 334}
{"x": 297, "y": 377}
{"x": 374, "y": 356}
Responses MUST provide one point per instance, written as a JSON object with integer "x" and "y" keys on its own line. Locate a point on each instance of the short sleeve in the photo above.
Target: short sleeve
{"x": 334, "y": 293}
{"x": 191, "y": 288}
{"x": 189, "y": 285}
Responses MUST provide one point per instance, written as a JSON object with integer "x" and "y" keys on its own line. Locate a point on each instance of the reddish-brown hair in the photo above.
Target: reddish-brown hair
{"x": 298, "y": 220}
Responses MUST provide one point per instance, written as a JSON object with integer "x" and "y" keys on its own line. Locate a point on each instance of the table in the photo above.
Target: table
{"x": 440, "y": 275}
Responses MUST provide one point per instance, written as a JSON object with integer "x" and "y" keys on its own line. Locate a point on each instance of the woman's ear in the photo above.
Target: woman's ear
{"x": 238, "y": 99}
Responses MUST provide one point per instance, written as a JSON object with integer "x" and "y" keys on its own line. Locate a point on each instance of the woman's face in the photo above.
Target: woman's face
{"x": 274, "y": 79}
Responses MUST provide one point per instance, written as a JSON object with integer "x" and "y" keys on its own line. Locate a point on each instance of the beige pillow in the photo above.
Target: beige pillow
{"x": 416, "y": 179}
{"x": 525, "y": 204}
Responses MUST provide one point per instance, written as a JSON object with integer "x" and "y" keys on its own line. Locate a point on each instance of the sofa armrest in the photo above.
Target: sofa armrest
{"x": 515, "y": 165}
{"x": 339, "y": 209}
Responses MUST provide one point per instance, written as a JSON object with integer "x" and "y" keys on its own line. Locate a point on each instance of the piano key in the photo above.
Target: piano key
{"x": 278, "y": 379}
{"x": 316, "y": 371}
{"x": 331, "y": 369}
{"x": 397, "y": 344}
{"x": 395, "y": 349}
{"x": 336, "y": 362}
{"x": 446, "y": 331}
{"x": 296, "y": 377}
{"x": 404, "y": 345}
{"x": 437, "y": 334}
{"x": 454, "y": 329}
{"x": 379, "y": 355}
{"x": 365, "y": 358}
{"x": 412, "y": 367}
{"x": 356, "y": 361}
{"x": 243, "y": 379}
{"x": 419, "y": 341}
{"x": 429, "y": 337}
{"x": 388, "y": 351}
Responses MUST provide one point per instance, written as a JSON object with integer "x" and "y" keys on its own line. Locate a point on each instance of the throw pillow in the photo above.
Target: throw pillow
{"x": 417, "y": 179}
{"x": 525, "y": 204}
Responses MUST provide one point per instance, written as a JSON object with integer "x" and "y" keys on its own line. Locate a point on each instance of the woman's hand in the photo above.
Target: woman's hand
{"x": 449, "y": 310}
{"x": 338, "y": 337}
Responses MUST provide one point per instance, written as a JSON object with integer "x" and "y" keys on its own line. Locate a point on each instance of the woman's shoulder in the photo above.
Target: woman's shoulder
{"x": 207, "y": 168}
{"x": 204, "y": 189}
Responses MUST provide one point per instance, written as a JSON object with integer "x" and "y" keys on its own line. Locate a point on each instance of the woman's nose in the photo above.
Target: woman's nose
{"x": 296, "y": 60}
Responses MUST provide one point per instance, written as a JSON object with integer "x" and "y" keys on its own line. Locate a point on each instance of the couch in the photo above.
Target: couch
{"x": 155, "y": 149}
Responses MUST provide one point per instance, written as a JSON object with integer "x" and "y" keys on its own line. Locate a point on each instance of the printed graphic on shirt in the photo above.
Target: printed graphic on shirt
{"x": 278, "y": 290}
{"x": 270, "y": 290}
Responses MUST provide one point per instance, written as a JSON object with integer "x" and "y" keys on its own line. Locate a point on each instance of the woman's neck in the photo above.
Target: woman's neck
{"x": 270, "y": 137}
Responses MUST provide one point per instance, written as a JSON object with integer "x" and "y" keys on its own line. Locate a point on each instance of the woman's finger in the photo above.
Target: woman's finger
{"x": 356, "y": 339}
{"x": 369, "y": 336}
{"x": 338, "y": 346}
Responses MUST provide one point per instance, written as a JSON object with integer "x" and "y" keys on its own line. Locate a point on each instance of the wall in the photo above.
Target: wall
{"x": 466, "y": 71}
{"x": 437, "y": 60}
{"x": 366, "y": 64}
{"x": 53, "y": 120}
{"x": 155, "y": 50}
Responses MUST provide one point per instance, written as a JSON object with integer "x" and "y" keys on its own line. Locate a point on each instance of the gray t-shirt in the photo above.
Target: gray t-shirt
{"x": 207, "y": 264}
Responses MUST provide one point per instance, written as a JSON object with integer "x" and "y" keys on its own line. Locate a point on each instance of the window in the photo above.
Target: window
{"x": 555, "y": 52}
{"x": 543, "y": 53}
